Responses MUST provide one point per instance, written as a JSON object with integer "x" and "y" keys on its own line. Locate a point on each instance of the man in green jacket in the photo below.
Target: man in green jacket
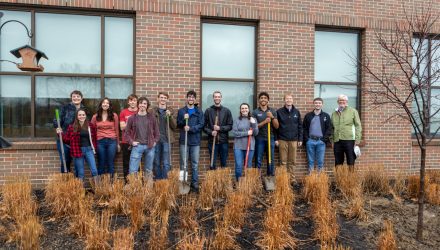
{"x": 347, "y": 130}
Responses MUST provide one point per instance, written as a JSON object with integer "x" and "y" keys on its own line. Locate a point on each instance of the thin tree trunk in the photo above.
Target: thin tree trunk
{"x": 419, "y": 234}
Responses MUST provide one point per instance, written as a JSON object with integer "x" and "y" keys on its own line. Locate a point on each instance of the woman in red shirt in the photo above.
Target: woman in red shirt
{"x": 81, "y": 136}
{"x": 107, "y": 125}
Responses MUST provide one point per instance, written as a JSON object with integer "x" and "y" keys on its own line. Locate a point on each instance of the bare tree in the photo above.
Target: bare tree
{"x": 403, "y": 79}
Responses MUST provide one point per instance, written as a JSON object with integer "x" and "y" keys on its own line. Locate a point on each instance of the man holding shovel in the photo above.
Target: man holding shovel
{"x": 167, "y": 125}
{"x": 218, "y": 123}
{"x": 264, "y": 141}
{"x": 190, "y": 121}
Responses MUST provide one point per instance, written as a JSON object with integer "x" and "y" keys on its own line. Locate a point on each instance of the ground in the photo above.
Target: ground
{"x": 353, "y": 233}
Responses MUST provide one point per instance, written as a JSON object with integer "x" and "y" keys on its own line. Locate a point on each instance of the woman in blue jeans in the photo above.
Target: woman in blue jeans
{"x": 242, "y": 128}
{"x": 81, "y": 135}
{"x": 107, "y": 126}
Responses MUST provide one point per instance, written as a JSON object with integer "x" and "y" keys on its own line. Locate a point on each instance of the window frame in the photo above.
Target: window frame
{"x": 102, "y": 76}
{"x": 358, "y": 83}
{"x": 226, "y": 21}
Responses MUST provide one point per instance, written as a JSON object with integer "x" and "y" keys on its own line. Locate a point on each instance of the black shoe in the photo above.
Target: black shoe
{"x": 195, "y": 188}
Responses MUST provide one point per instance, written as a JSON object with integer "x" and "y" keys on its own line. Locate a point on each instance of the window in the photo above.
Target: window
{"x": 93, "y": 55}
{"x": 427, "y": 75}
{"x": 336, "y": 68}
{"x": 228, "y": 63}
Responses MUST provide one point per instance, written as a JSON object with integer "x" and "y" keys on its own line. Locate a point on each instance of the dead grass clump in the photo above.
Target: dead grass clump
{"x": 325, "y": 220}
{"x": 433, "y": 193}
{"x": 173, "y": 176}
{"x": 99, "y": 232}
{"x": 18, "y": 201}
{"x": 387, "y": 240}
{"x": 334, "y": 247}
{"x": 188, "y": 215}
{"x": 356, "y": 209}
{"x": 64, "y": 193}
{"x": 123, "y": 239}
{"x": 375, "y": 180}
{"x": 117, "y": 197}
{"x": 103, "y": 187}
{"x": 399, "y": 185}
{"x": 251, "y": 183}
{"x": 159, "y": 231}
{"x": 434, "y": 176}
{"x": 194, "y": 241}
{"x": 82, "y": 220}
{"x": 414, "y": 185}
{"x": 138, "y": 197}
{"x": 316, "y": 186}
{"x": 224, "y": 237}
{"x": 235, "y": 209}
{"x": 348, "y": 182}
{"x": 28, "y": 233}
{"x": 217, "y": 184}
{"x": 276, "y": 233}
{"x": 163, "y": 196}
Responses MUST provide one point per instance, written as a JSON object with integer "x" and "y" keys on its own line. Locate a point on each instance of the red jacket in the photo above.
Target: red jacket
{"x": 73, "y": 139}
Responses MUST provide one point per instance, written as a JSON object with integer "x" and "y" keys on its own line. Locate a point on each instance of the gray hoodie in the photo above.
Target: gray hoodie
{"x": 240, "y": 130}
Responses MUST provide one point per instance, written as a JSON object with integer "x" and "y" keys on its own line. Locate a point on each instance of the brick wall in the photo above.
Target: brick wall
{"x": 168, "y": 59}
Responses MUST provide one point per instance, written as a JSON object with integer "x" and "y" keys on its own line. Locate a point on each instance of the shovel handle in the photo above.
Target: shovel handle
{"x": 247, "y": 150}
{"x": 268, "y": 144}
{"x": 63, "y": 157}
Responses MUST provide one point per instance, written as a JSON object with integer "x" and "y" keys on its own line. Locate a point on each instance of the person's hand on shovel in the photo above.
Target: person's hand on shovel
{"x": 186, "y": 117}
{"x": 269, "y": 117}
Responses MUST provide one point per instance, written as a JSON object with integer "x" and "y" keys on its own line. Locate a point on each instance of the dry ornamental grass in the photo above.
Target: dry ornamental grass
{"x": 375, "y": 180}
{"x": 123, "y": 239}
{"x": 387, "y": 239}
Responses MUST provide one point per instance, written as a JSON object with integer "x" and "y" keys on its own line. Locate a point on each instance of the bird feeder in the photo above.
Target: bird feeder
{"x": 30, "y": 57}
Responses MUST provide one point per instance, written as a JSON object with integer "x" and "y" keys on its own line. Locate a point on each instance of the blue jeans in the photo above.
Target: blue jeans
{"x": 315, "y": 151}
{"x": 194, "y": 153}
{"x": 89, "y": 157}
{"x": 106, "y": 155}
{"x": 162, "y": 154}
{"x": 240, "y": 157}
{"x": 66, "y": 155}
{"x": 260, "y": 150}
{"x": 136, "y": 157}
{"x": 221, "y": 149}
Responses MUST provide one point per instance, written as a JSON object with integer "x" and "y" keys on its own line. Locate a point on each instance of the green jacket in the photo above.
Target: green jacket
{"x": 346, "y": 125}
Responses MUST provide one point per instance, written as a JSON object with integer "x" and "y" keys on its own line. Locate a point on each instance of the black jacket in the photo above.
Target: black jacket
{"x": 290, "y": 128}
{"x": 224, "y": 121}
{"x": 326, "y": 125}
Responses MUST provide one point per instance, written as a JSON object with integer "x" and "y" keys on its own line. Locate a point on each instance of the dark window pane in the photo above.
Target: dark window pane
{"x": 54, "y": 92}
{"x": 228, "y": 51}
{"x": 336, "y": 54}
{"x": 118, "y": 46}
{"x": 72, "y": 42}
{"x": 15, "y": 106}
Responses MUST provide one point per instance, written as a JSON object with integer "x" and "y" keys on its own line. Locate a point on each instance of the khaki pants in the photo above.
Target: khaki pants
{"x": 288, "y": 154}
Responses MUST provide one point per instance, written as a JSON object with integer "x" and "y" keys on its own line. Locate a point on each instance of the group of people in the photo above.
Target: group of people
{"x": 148, "y": 132}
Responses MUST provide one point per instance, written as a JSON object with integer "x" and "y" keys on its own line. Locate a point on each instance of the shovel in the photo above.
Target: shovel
{"x": 184, "y": 188}
{"x": 269, "y": 181}
{"x": 213, "y": 146}
{"x": 63, "y": 157}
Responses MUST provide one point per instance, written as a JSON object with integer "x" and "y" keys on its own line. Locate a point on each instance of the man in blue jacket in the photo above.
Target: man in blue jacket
{"x": 194, "y": 129}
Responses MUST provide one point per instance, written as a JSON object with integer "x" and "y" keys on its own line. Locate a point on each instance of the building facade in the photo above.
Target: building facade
{"x": 112, "y": 48}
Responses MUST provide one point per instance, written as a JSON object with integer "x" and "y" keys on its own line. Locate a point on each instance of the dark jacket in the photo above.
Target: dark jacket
{"x": 326, "y": 125}
{"x": 224, "y": 121}
{"x": 291, "y": 128}
{"x": 67, "y": 116}
{"x": 162, "y": 119}
{"x": 153, "y": 129}
{"x": 195, "y": 123}
{"x": 74, "y": 140}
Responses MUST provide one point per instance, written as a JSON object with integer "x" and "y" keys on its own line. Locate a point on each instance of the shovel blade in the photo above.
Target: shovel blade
{"x": 269, "y": 183}
{"x": 184, "y": 188}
